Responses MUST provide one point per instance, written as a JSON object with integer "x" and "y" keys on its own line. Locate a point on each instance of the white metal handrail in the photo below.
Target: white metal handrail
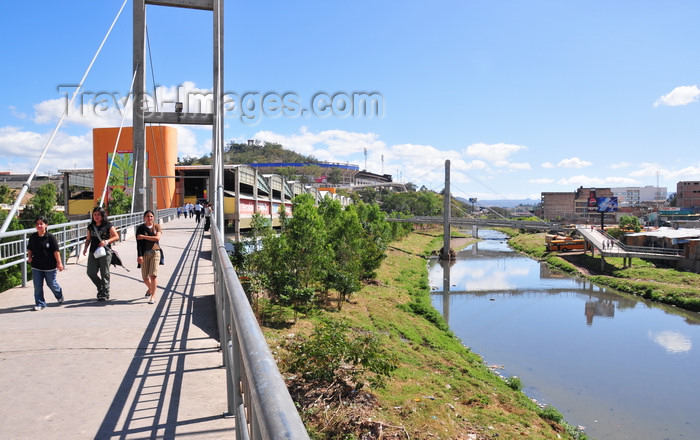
{"x": 257, "y": 394}
{"x": 70, "y": 237}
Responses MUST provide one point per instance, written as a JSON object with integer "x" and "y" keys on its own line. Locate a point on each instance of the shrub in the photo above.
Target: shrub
{"x": 334, "y": 351}
{"x": 515, "y": 383}
{"x": 549, "y": 413}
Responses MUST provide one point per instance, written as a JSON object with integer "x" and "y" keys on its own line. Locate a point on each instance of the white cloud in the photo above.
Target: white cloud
{"x": 543, "y": 180}
{"x": 619, "y": 165}
{"x": 188, "y": 144}
{"x": 20, "y": 149}
{"x": 574, "y": 162}
{"x": 581, "y": 181}
{"x": 331, "y": 145}
{"x": 107, "y": 110}
{"x": 16, "y": 113}
{"x": 495, "y": 153}
{"x": 691, "y": 172}
{"x": 547, "y": 165}
{"x": 647, "y": 169}
{"x": 681, "y": 95}
{"x": 588, "y": 181}
{"x": 87, "y": 114}
{"x": 672, "y": 342}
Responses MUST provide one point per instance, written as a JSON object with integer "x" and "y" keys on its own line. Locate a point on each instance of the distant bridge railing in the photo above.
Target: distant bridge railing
{"x": 485, "y": 223}
{"x": 70, "y": 237}
{"x": 624, "y": 250}
{"x": 257, "y": 394}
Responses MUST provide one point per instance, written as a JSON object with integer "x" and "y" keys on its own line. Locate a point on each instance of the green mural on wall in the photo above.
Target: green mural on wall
{"x": 122, "y": 171}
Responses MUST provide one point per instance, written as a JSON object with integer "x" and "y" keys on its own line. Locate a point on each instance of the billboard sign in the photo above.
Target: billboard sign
{"x": 592, "y": 201}
{"x": 606, "y": 204}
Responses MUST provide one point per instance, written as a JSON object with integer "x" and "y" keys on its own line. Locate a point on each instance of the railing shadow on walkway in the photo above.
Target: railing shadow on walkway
{"x": 146, "y": 404}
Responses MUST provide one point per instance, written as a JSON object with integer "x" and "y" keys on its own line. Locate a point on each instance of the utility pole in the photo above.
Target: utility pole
{"x": 447, "y": 214}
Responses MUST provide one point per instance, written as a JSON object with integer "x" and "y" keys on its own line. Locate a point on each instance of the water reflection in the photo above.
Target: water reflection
{"x": 494, "y": 279}
{"x": 673, "y": 342}
{"x": 621, "y": 366}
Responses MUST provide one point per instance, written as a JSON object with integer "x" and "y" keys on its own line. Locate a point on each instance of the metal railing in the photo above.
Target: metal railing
{"x": 624, "y": 250}
{"x": 257, "y": 394}
{"x": 70, "y": 237}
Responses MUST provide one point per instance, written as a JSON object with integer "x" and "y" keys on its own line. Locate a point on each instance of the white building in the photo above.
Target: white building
{"x": 635, "y": 195}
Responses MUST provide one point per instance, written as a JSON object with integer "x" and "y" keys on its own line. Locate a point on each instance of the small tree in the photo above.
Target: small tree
{"x": 259, "y": 228}
{"x": 6, "y": 194}
{"x": 334, "y": 177}
{"x": 43, "y": 203}
{"x": 309, "y": 253}
{"x": 630, "y": 222}
{"x": 10, "y": 276}
{"x": 119, "y": 202}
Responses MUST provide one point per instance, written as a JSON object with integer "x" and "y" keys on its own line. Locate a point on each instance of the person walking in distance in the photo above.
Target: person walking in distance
{"x": 207, "y": 216}
{"x": 100, "y": 234}
{"x": 148, "y": 250}
{"x": 43, "y": 255}
{"x": 198, "y": 212}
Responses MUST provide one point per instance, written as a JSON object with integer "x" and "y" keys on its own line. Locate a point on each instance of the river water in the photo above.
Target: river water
{"x": 620, "y": 366}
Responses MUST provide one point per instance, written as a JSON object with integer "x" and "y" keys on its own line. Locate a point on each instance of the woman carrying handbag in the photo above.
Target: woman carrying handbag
{"x": 100, "y": 234}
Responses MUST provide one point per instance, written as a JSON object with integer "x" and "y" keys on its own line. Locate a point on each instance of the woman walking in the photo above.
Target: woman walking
{"x": 43, "y": 255}
{"x": 100, "y": 234}
{"x": 148, "y": 251}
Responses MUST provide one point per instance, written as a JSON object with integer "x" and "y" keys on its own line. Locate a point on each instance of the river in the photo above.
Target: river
{"x": 618, "y": 365}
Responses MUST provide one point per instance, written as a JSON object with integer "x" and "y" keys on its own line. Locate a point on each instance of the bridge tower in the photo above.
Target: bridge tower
{"x": 447, "y": 212}
{"x": 142, "y": 115}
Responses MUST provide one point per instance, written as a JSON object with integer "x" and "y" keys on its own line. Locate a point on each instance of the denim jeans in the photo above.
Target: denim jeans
{"x": 38, "y": 277}
{"x": 102, "y": 265}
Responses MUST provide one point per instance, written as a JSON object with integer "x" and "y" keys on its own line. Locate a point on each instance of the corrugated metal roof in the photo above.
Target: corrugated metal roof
{"x": 669, "y": 233}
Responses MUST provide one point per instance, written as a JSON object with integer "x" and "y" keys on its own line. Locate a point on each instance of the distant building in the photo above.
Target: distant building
{"x": 574, "y": 206}
{"x": 630, "y": 196}
{"x": 688, "y": 195}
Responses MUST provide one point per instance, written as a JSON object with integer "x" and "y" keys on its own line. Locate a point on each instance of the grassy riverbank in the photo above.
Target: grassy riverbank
{"x": 439, "y": 390}
{"x": 644, "y": 278}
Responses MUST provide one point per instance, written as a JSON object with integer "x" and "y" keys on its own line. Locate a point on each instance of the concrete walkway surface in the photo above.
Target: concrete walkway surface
{"x": 123, "y": 368}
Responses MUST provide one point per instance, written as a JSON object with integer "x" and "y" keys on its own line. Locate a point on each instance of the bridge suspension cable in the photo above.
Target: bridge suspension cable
{"x": 25, "y": 186}
{"x": 116, "y": 143}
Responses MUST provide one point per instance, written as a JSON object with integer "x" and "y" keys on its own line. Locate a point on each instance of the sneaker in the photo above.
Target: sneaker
{"x": 38, "y": 308}
{"x": 148, "y": 293}
{"x": 150, "y": 301}
{"x": 60, "y": 300}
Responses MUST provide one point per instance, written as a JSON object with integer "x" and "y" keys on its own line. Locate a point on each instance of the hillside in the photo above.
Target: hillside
{"x": 266, "y": 152}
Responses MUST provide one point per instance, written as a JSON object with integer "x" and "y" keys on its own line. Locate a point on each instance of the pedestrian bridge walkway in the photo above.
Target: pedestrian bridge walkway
{"x": 123, "y": 368}
{"x": 609, "y": 247}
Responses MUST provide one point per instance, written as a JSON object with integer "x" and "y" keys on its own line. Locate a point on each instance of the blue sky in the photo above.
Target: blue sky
{"x": 522, "y": 97}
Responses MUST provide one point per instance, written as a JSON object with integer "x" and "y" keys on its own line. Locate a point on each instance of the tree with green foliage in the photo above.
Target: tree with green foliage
{"x": 260, "y": 227}
{"x": 6, "y": 194}
{"x": 10, "y": 276}
{"x": 671, "y": 199}
{"x": 43, "y": 203}
{"x": 119, "y": 202}
{"x": 334, "y": 177}
{"x": 630, "y": 222}
{"x": 345, "y": 234}
{"x": 309, "y": 253}
{"x": 283, "y": 218}
{"x": 376, "y": 237}
{"x": 262, "y": 152}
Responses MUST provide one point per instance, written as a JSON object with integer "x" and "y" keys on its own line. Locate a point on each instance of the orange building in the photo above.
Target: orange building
{"x": 161, "y": 156}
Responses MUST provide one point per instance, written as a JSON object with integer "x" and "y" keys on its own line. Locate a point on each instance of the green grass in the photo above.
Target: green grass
{"x": 440, "y": 389}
